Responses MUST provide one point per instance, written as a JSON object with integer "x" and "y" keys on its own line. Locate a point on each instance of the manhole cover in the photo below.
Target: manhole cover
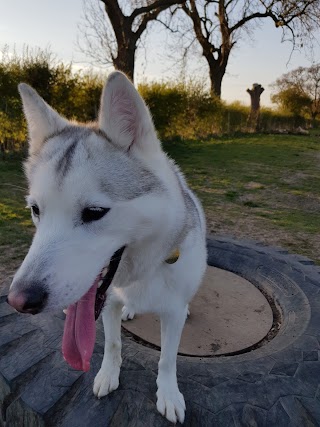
{"x": 228, "y": 314}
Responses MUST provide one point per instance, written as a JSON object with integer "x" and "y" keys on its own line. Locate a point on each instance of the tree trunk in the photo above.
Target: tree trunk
{"x": 253, "y": 122}
{"x": 216, "y": 57}
{"x": 217, "y": 67}
{"x": 125, "y": 61}
{"x": 314, "y": 115}
{"x": 216, "y": 76}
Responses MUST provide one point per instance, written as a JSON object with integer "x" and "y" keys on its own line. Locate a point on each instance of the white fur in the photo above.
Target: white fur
{"x": 67, "y": 255}
{"x": 42, "y": 119}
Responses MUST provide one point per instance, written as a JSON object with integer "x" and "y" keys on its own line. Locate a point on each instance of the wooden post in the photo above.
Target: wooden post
{"x": 253, "y": 122}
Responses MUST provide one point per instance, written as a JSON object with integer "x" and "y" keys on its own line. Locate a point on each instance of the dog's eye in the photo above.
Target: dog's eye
{"x": 93, "y": 214}
{"x": 35, "y": 210}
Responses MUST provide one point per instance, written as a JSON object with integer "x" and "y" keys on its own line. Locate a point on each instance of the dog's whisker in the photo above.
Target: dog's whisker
{"x": 17, "y": 187}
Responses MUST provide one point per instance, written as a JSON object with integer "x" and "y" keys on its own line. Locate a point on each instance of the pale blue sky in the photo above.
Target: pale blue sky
{"x": 43, "y": 22}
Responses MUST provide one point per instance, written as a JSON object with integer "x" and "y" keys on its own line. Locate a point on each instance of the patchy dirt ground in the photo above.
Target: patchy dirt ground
{"x": 258, "y": 229}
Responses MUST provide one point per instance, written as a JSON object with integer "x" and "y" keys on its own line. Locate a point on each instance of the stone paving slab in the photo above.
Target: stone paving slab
{"x": 277, "y": 384}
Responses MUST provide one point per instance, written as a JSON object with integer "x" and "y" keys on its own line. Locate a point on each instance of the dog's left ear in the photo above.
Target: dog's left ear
{"x": 42, "y": 120}
{"x": 125, "y": 118}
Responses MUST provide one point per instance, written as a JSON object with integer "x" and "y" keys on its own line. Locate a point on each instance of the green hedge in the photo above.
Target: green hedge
{"x": 76, "y": 95}
{"x": 187, "y": 111}
{"x": 183, "y": 110}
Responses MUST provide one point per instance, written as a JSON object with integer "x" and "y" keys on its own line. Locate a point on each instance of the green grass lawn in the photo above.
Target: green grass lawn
{"x": 16, "y": 227}
{"x": 261, "y": 187}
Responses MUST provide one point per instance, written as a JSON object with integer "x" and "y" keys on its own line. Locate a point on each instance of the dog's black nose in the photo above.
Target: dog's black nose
{"x": 32, "y": 300}
{"x": 36, "y": 299}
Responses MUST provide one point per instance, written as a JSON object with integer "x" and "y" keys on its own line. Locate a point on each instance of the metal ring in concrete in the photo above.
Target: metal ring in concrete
{"x": 228, "y": 315}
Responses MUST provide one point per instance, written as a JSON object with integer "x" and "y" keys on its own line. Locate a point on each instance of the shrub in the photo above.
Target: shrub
{"x": 182, "y": 109}
{"x": 179, "y": 109}
{"x": 75, "y": 95}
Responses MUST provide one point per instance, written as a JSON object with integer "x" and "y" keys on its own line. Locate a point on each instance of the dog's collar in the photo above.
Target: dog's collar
{"x": 174, "y": 256}
{"x": 101, "y": 291}
{"x": 112, "y": 269}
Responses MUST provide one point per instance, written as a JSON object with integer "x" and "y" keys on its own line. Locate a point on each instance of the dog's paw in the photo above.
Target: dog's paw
{"x": 127, "y": 314}
{"x": 171, "y": 404}
{"x": 106, "y": 381}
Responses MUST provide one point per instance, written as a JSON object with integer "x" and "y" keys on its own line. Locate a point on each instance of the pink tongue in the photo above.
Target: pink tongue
{"x": 80, "y": 331}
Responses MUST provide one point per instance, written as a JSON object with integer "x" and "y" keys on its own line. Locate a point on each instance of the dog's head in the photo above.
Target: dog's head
{"x": 93, "y": 189}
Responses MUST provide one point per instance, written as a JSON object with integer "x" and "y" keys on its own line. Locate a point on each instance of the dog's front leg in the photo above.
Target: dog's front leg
{"x": 107, "y": 378}
{"x": 170, "y": 402}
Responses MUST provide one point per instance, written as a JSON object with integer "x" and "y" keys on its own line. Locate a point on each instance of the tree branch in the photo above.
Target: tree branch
{"x": 256, "y": 15}
{"x": 116, "y": 16}
{"x": 158, "y": 4}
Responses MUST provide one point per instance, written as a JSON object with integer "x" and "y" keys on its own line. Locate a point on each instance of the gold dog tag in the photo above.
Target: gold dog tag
{"x": 173, "y": 257}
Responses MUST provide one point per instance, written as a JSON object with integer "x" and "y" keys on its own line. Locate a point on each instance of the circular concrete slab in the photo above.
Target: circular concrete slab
{"x": 228, "y": 314}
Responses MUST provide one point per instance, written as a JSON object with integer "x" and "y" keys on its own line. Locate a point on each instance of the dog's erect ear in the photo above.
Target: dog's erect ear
{"x": 42, "y": 120}
{"x": 124, "y": 116}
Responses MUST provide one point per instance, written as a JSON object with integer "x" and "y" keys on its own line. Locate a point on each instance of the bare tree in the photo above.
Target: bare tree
{"x": 112, "y": 29}
{"x": 218, "y": 25}
{"x": 299, "y": 91}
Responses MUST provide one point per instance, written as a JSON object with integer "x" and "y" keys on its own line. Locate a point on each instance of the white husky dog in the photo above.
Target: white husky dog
{"x": 94, "y": 189}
